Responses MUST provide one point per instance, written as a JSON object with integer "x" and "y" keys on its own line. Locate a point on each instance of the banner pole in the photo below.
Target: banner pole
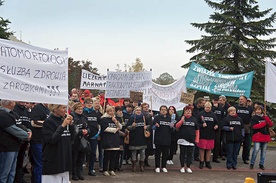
{"x": 104, "y": 97}
{"x": 151, "y": 96}
{"x": 265, "y": 108}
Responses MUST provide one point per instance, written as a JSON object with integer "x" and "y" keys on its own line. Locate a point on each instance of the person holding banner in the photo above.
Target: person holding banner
{"x": 137, "y": 141}
{"x": 57, "y": 148}
{"x": 208, "y": 123}
{"x": 260, "y": 124}
{"x": 245, "y": 112}
{"x": 110, "y": 140}
{"x": 188, "y": 132}
{"x": 162, "y": 138}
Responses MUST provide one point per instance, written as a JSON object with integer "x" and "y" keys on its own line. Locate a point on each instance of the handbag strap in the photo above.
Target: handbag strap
{"x": 144, "y": 121}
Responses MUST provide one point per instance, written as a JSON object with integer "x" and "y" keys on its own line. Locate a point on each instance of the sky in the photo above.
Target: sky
{"x": 112, "y": 32}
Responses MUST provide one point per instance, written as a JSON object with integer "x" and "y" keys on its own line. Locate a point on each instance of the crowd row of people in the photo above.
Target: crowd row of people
{"x": 126, "y": 131}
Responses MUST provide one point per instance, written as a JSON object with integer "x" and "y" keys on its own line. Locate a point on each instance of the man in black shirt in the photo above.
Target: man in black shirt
{"x": 245, "y": 112}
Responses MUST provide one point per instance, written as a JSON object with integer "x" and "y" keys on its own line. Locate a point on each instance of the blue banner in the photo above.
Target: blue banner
{"x": 201, "y": 79}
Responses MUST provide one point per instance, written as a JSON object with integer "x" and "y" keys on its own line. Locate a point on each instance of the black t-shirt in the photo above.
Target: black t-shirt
{"x": 244, "y": 112}
{"x": 237, "y": 123}
{"x": 210, "y": 118}
{"x": 8, "y": 142}
{"x": 38, "y": 113}
{"x": 188, "y": 129}
{"x": 163, "y": 133}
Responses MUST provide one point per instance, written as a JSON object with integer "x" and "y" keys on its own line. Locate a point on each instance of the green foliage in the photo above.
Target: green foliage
{"x": 74, "y": 72}
{"x": 4, "y": 33}
{"x": 137, "y": 66}
{"x": 164, "y": 79}
{"x": 235, "y": 42}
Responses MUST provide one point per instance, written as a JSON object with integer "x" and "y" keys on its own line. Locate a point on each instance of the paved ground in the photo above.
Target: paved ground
{"x": 218, "y": 174}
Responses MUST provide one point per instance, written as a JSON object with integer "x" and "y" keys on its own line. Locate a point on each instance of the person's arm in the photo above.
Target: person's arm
{"x": 225, "y": 126}
{"x": 51, "y": 135}
{"x": 110, "y": 130}
{"x": 179, "y": 123}
{"x": 268, "y": 121}
{"x": 197, "y": 136}
{"x": 17, "y": 132}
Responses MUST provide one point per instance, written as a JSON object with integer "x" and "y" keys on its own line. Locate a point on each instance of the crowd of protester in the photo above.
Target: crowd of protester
{"x": 125, "y": 133}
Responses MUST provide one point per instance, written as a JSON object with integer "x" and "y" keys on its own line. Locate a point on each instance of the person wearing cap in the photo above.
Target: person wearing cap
{"x": 245, "y": 112}
{"x": 249, "y": 102}
{"x": 85, "y": 94}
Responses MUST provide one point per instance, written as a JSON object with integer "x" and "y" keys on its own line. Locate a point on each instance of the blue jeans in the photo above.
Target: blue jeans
{"x": 232, "y": 153}
{"x": 257, "y": 147}
{"x": 7, "y": 166}
{"x": 36, "y": 151}
{"x": 93, "y": 144}
{"x": 246, "y": 146}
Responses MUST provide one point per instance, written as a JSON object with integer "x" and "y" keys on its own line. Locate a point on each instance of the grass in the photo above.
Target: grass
{"x": 272, "y": 144}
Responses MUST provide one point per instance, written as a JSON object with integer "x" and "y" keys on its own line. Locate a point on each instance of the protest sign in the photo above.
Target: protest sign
{"x": 187, "y": 98}
{"x": 92, "y": 81}
{"x": 270, "y": 78}
{"x": 136, "y": 96}
{"x": 168, "y": 95}
{"x": 119, "y": 84}
{"x": 199, "y": 78}
{"x": 33, "y": 74}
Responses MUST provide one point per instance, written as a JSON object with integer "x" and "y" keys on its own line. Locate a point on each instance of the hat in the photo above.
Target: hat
{"x": 87, "y": 91}
{"x": 215, "y": 98}
{"x": 249, "y": 99}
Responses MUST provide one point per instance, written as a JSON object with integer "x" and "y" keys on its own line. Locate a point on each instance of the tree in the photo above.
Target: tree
{"x": 137, "y": 66}
{"x": 4, "y": 33}
{"x": 164, "y": 79}
{"x": 235, "y": 42}
{"x": 74, "y": 71}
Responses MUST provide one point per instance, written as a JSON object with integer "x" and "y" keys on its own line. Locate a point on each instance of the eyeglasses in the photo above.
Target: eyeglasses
{"x": 89, "y": 103}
